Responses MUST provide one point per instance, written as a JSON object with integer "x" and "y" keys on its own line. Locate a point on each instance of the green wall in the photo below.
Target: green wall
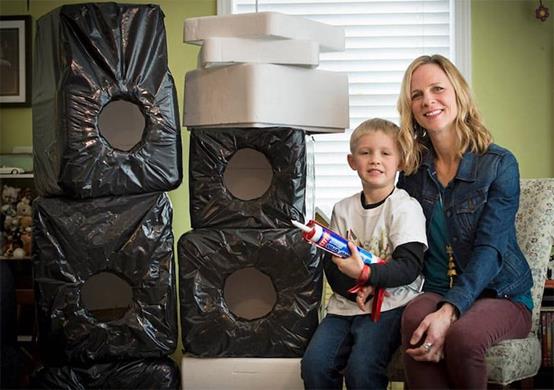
{"x": 513, "y": 79}
{"x": 16, "y": 123}
{"x": 513, "y": 67}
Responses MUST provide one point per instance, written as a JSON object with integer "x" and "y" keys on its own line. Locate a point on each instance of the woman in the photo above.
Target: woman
{"x": 477, "y": 287}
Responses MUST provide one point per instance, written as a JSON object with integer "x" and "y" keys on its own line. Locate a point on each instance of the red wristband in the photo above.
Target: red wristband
{"x": 364, "y": 275}
{"x": 362, "y": 280}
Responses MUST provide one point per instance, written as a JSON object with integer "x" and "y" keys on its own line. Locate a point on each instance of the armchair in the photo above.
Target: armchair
{"x": 514, "y": 360}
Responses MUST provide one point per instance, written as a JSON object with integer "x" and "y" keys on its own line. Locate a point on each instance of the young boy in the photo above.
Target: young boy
{"x": 389, "y": 223}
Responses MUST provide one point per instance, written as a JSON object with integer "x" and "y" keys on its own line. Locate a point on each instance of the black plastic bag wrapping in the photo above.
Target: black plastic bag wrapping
{"x": 207, "y": 257}
{"x": 160, "y": 373}
{"x": 87, "y": 56}
{"x": 289, "y": 196}
{"x": 130, "y": 237}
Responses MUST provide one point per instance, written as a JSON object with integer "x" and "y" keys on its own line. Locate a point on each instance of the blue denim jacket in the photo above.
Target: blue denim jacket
{"x": 480, "y": 205}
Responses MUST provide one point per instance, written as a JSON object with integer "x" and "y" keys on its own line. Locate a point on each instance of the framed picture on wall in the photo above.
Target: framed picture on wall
{"x": 15, "y": 60}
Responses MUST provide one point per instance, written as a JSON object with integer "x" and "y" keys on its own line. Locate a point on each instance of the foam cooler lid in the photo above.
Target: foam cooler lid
{"x": 225, "y": 51}
{"x": 262, "y": 95}
{"x": 264, "y": 25}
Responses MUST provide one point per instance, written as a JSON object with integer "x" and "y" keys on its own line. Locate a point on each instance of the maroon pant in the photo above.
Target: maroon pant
{"x": 487, "y": 322}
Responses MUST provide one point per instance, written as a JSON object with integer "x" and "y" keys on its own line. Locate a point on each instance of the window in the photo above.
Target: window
{"x": 382, "y": 38}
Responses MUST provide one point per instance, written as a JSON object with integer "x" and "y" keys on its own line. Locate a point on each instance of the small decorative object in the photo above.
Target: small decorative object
{"x": 542, "y": 12}
{"x": 17, "y": 221}
{"x": 10, "y": 195}
{"x": 18, "y": 253}
{"x": 11, "y": 170}
{"x": 452, "y": 273}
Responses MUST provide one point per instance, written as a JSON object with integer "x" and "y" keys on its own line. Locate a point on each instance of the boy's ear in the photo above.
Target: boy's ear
{"x": 351, "y": 161}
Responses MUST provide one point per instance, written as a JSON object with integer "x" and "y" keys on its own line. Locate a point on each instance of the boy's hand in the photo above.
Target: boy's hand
{"x": 351, "y": 266}
{"x": 362, "y": 295}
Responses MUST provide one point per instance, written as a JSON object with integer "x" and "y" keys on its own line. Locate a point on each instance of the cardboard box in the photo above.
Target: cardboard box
{"x": 226, "y": 51}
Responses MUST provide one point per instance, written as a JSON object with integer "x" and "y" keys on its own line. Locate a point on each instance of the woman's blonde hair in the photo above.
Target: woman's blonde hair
{"x": 472, "y": 133}
{"x": 377, "y": 124}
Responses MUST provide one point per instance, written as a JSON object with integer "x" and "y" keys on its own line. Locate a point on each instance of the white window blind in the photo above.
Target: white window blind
{"x": 382, "y": 38}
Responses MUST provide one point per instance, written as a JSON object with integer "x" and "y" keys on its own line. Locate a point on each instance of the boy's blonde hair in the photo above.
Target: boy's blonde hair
{"x": 471, "y": 132}
{"x": 377, "y": 124}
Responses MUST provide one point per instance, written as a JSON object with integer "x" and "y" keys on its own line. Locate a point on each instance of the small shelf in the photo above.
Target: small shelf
{"x": 11, "y": 258}
{"x": 22, "y": 161}
{"x": 18, "y": 176}
{"x": 25, "y": 338}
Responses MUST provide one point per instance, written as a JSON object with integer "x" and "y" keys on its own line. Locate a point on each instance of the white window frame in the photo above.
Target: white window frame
{"x": 461, "y": 9}
{"x": 460, "y": 42}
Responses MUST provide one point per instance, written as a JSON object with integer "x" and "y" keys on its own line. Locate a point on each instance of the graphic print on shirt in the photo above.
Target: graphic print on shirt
{"x": 378, "y": 244}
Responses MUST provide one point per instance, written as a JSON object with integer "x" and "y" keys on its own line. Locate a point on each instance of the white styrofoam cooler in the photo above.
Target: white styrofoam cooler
{"x": 225, "y": 51}
{"x": 241, "y": 373}
{"x": 262, "y": 95}
{"x": 264, "y": 25}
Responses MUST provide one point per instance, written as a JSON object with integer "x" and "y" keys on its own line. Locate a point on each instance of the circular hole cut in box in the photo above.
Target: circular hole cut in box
{"x": 128, "y": 236}
{"x": 122, "y": 124}
{"x": 106, "y": 296}
{"x": 290, "y": 193}
{"x": 249, "y": 293}
{"x": 248, "y": 175}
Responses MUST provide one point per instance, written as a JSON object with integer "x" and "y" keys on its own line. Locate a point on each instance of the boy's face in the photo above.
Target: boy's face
{"x": 376, "y": 159}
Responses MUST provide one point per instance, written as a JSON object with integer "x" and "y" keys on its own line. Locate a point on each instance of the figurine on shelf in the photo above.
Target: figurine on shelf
{"x": 19, "y": 253}
{"x": 23, "y": 208}
{"x": 10, "y": 235}
{"x": 10, "y": 195}
{"x": 24, "y": 211}
{"x": 26, "y": 240}
{"x": 16, "y": 222}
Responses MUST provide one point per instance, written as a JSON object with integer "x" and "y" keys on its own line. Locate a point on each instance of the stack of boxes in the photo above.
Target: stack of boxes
{"x": 258, "y": 70}
{"x": 250, "y": 287}
{"x": 103, "y": 217}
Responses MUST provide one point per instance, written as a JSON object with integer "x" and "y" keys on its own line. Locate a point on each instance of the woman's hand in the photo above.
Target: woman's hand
{"x": 351, "y": 266}
{"x": 432, "y": 331}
